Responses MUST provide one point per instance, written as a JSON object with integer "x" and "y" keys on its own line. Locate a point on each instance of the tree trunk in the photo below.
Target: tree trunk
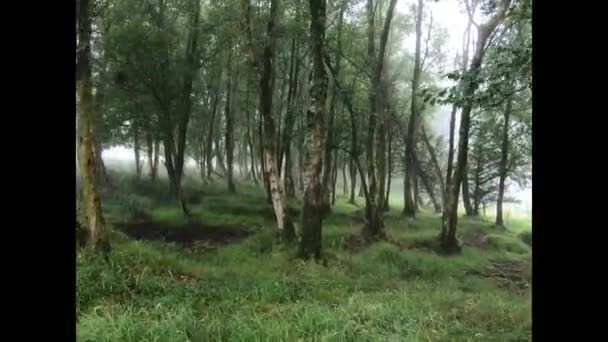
{"x": 265, "y": 69}
{"x": 390, "y": 169}
{"x": 209, "y": 148}
{"x": 466, "y": 195}
{"x": 504, "y": 158}
{"x": 328, "y": 163}
{"x": 448, "y": 232}
{"x": 101, "y": 176}
{"x": 409, "y": 208}
{"x": 344, "y": 179}
{"x": 375, "y": 224}
{"x": 149, "y": 149}
{"x": 352, "y": 168}
{"x": 477, "y": 182}
{"x": 249, "y": 135}
{"x": 136, "y": 148}
{"x": 264, "y": 168}
{"x": 294, "y": 70}
{"x": 334, "y": 178}
{"x": 312, "y": 219}
{"x": 426, "y": 183}
{"x": 154, "y": 171}
{"x": 436, "y": 167}
{"x": 98, "y": 237}
{"x": 229, "y": 124}
{"x": 416, "y": 189}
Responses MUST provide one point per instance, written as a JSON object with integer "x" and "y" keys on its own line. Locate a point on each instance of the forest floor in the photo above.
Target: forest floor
{"x": 217, "y": 276}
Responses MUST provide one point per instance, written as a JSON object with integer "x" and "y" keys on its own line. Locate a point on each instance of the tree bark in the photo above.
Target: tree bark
{"x": 426, "y": 183}
{"x": 209, "y": 148}
{"x": 409, "y": 208}
{"x": 436, "y": 167}
{"x": 352, "y": 169}
{"x": 136, "y": 149}
{"x": 374, "y": 226}
{"x": 264, "y": 168}
{"x": 334, "y": 178}
{"x": 344, "y": 179}
{"x": 466, "y": 195}
{"x": 294, "y": 70}
{"x": 265, "y": 68}
{"x": 504, "y": 158}
{"x": 390, "y": 169}
{"x": 229, "y": 138}
{"x": 312, "y": 219}
{"x": 329, "y": 163}
{"x": 98, "y": 234}
{"x": 249, "y": 135}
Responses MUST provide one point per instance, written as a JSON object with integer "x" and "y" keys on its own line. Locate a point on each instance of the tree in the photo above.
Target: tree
{"x": 409, "y": 209}
{"x": 312, "y": 220}
{"x": 98, "y": 237}
{"x": 470, "y": 83}
{"x": 263, "y": 65}
{"x": 374, "y": 224}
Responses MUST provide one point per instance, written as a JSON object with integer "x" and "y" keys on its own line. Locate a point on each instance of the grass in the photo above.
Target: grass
{"x": 150, "y": 291}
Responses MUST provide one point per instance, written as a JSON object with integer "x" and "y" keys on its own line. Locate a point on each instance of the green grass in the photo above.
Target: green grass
{"x": 149, "y": 291}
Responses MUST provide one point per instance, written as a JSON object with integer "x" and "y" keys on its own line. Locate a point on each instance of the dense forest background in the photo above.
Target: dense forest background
{"x": 314, "y": 150}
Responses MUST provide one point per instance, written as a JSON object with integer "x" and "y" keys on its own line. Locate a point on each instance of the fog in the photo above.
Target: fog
{"x": 121, "y": 159}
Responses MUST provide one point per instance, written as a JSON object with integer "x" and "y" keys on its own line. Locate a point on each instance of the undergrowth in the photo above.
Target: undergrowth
{"x": 255, "y": 290}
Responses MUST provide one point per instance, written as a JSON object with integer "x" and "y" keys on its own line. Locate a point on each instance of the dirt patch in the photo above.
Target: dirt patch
{"x": 185, "y": 235}
{"x": 509, "y": 273}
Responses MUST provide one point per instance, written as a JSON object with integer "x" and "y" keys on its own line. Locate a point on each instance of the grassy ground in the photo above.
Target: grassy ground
{"x": 252, "y": 290}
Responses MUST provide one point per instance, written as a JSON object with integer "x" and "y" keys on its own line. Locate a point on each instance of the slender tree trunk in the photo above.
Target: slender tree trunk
{"x": 415, "y": 187}
{"x": 294, "y": 70}
{"x": 352, "y": 168}
{"x": 466, "y": 195}
{"x": 136, "y": 149}
{"x": 504, "y": 158}
{"x": 328, "y": 163}
{"x": 436, "y": 167}
{"x": 209, "y": 148}
{"x": 101, "y": 176}
{"x": 409, "y": 209}
{"x": 249, "y": 135}
{"x": 334, "y": 178}
{"x": 154, "y": 171}
{"x": 264, "y": 168}
{"x": 191, "y": 57}
{"x": 98, "y": 237}
{"x": 390, "y": 169}
{"x": 149, "y": 149}
{"x": 229, "y": 124}
{"x": 428, "y": 187}
{"x": 344, "y": 179}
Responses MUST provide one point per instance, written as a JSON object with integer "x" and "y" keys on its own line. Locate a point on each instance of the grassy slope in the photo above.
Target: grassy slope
{"x": 156, "y": 292}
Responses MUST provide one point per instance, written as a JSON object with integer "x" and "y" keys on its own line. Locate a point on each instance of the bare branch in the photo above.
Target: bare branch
{"x": 427, "y": 43}
{"x": 471, "y": 12}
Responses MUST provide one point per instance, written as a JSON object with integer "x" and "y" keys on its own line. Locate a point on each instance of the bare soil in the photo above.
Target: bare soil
{"x": 185, "y": 235}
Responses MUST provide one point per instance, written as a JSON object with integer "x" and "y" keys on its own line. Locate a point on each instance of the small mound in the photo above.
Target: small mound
{"x": 184, "y": 235}
{"x": 508, "y": 272}
{"x": 526, "y": 237}
{"x": 355, "y": 243}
